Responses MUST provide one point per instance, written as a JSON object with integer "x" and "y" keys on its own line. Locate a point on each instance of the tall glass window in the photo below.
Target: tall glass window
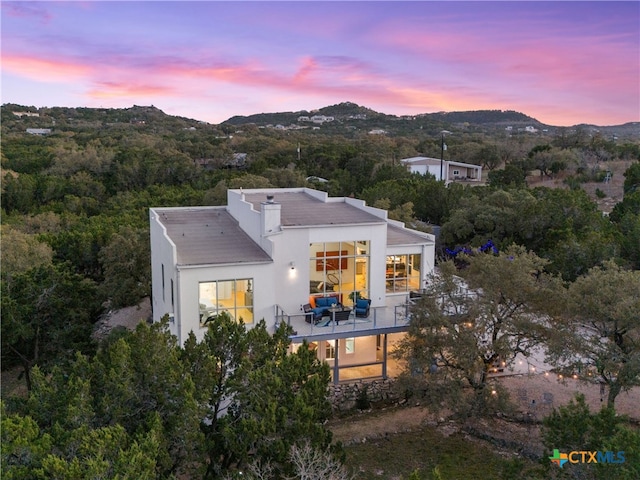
{"x": 403, "y": 273}
{"x": 232, "y": 296}
{"x": 339, "y": 268}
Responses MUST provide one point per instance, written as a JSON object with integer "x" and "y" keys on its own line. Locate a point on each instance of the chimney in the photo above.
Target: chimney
{"x": 270, "y": 216}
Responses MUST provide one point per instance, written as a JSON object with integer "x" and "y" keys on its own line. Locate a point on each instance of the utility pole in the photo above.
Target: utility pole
{"x": 442, "y": 149}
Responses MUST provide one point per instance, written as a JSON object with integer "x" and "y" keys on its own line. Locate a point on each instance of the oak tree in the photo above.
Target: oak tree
{"x": 599, "y": 338}
{"x": 474, "y": 320}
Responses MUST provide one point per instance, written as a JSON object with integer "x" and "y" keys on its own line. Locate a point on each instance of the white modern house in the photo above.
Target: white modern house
{"x": 451, "y": 171}
{"x": 292, "y": 255}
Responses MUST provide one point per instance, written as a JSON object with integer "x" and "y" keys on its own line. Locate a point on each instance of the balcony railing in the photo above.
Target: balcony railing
{"x": 390, "y": 316}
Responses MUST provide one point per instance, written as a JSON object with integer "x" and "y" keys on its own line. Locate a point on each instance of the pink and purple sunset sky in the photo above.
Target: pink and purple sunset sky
{"x": 562, "y": 63}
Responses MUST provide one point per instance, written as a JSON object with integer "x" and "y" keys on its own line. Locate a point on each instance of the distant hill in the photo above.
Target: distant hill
{"x": 626, "y": 130}
{"x": 342, "y": 111}
{"x": 349, "y": 110}
{"x": 484, "y": 116}
{"x": 351, "y": 115}
{"x": 14, "y": 119}
{"x": 347, "y": 116}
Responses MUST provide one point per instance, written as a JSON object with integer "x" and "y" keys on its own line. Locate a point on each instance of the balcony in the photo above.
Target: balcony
{"x": 391, "y": 318}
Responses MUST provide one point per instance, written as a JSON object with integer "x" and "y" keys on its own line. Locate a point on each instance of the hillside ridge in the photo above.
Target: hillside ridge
{"x": 341, "y": 114}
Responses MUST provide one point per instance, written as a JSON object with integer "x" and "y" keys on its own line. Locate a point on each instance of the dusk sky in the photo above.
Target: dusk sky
{"x": 562, "y": 63}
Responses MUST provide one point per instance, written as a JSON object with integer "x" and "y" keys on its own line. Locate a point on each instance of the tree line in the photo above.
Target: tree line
{"x": 75, "y": 203}
{"x": 144, "y": 407}
{"x": 75, "y": 238}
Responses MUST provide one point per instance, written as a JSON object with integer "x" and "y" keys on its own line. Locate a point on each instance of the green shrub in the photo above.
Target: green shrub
{"x": 573, "y": 182}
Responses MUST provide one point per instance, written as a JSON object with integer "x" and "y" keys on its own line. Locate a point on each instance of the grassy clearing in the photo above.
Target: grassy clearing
{"x": 455, "y": 457}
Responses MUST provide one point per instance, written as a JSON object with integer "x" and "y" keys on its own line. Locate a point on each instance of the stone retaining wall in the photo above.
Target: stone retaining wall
{"x": 344, "y": 396}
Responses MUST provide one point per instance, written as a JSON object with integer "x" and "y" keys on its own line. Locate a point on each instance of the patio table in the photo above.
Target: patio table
{"x": 339, "y": 313}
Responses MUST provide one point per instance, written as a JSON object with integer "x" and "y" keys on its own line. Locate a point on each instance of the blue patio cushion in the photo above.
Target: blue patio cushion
{"x": 323, "y": 304}
{"x": 326, "y": 302}
{"x": 362, "y": 307}
{"x": 363, "y": 303}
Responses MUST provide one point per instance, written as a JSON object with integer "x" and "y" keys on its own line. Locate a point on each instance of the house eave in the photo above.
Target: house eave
{"x": 348, "y": 334}
{"x": 181, "y": 266}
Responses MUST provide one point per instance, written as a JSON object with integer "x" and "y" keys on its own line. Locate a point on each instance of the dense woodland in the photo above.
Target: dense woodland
{"x": 75, "y": 244}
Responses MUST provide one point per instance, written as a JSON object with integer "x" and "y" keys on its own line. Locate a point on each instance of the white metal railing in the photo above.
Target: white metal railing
{"x": 379, "y": 317}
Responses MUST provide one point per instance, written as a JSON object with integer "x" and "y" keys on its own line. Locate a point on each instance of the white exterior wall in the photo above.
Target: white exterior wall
{"x": 249, "y": 219}
{"x": 421, "y": 169}
{"x": 163, "y": 252}
{"x": 290, "y": 286}
{"x": 435, "y": 170}
{"x": 264, "y": 289}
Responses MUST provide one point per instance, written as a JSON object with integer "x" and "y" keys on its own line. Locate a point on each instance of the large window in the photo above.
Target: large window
{"x": 232, "y": 296}
{"x": 403, "y": 273}
{"x": 350, "y": 345}
{"x": 339, "y": 268}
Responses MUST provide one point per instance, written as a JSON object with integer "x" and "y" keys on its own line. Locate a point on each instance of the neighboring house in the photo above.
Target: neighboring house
{"x": 451, "y": 171}
{"x": 39, "y": 131}
{"x": 273, "y": 253}
{"x": 321, "y": 119}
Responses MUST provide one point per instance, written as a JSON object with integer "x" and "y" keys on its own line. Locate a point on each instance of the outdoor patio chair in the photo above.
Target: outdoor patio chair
{"x": 547, "y": 398}
{"x": 310, "y": 314}
{"x": 362, "y": 307}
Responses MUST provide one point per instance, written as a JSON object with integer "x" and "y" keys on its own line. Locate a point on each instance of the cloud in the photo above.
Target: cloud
{"x": 127, "y": 90}
{"x": 26, "y": 10}
{"x": 44, "y": 69}
{"x": 410, "y": 57}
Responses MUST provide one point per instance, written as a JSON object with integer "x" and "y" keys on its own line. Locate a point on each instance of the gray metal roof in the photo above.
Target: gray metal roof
{"x": 421, "y": 161}
{"x": 208, "y": 236}
{"x": 403, "y": 236}
{"x": 300, "y": 209}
